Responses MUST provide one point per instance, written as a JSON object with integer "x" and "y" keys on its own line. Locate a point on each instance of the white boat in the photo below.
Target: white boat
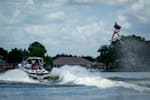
{"x": 34, "y": 67}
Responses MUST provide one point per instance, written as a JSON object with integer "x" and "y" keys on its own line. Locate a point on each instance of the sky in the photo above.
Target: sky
{"x": 77, "y": 27}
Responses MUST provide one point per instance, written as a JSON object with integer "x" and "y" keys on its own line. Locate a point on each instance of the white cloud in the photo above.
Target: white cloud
{"x": 139, "y": 9}
{"x": 90, "y": 35}
{"x": 14, "y": 17}
{"x": 42, "y": 30}
{"x": 72, "y": 39}
{"x": 123, "y": 20}
{"x": 108, "y": 2}
{"x": 89, "y": 29}
{"x": 116, "y": 2}
{"x": 58, "y": 15}
{"x": 30, "y": 2}
{"x": 64, "y": 28}
{"x": 16, "y": 13}
{"x": 86, "y": 2}
{"x": 93, "y": 32}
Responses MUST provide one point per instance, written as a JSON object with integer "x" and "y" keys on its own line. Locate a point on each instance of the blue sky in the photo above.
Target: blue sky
{"x": 77, "y": 27}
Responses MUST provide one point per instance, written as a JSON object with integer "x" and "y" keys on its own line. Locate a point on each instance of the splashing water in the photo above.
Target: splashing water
{"x": 74, "y": 75}
{"x": 16, "y": 75}
{"x": 80, "y": 76}
{"x": 134, "y": 53}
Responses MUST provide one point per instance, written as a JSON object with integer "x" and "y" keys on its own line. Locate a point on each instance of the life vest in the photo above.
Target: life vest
{"x": 35, "y": 67}
{"x": 116, "y": 26}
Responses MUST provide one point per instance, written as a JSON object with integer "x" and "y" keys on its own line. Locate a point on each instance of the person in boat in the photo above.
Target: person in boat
{"x": 117, "y": 28}
{"x": 35, "y": 65}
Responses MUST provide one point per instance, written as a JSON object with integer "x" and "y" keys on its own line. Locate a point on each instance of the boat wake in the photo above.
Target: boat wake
{"x": 16, "y": 75}
{"x": 80, "y": 76}
{"x": 70, "y": 75}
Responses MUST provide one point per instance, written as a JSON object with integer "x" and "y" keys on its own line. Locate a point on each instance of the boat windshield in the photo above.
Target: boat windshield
{"x": 35, "y": 61}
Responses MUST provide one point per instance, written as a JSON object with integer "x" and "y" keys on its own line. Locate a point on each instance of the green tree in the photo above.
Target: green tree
{"x": 37, "y": 49}
{"x": 107, "y": 55}
{"x": 15, "y": 56}
{"x": 62, "y": 55}
{"x": 3, "y": 53}
{"x": 48, "y": 62}
{"x": 25, "y": 53}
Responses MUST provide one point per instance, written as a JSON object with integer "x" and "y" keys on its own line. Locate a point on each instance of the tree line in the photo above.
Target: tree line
{"x": 17, "y": 55}
{"x": 36, "y": 49}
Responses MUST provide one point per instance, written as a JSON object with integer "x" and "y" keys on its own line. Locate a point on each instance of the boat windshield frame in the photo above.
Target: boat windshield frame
{"x": 34, "y": 60}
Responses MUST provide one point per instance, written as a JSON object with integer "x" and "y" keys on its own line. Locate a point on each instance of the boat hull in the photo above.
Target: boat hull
{"x": 36, "y": 74}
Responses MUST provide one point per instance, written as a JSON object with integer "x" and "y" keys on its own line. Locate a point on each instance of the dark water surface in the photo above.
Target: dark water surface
{"x": 19, "y": 91}
{"x": 76, "y": 84}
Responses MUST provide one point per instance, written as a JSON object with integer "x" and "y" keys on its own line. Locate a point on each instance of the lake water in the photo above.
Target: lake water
{"x": 76, "y": 83}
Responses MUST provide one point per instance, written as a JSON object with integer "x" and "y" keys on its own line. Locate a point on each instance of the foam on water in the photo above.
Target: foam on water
{"x": 16, "y": 75}
{"x": 81, "y": 76}
{"x": 75, "y": 75}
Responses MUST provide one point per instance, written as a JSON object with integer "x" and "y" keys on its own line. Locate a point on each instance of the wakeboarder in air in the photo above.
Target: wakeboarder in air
{"x": 116, "y": 31}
